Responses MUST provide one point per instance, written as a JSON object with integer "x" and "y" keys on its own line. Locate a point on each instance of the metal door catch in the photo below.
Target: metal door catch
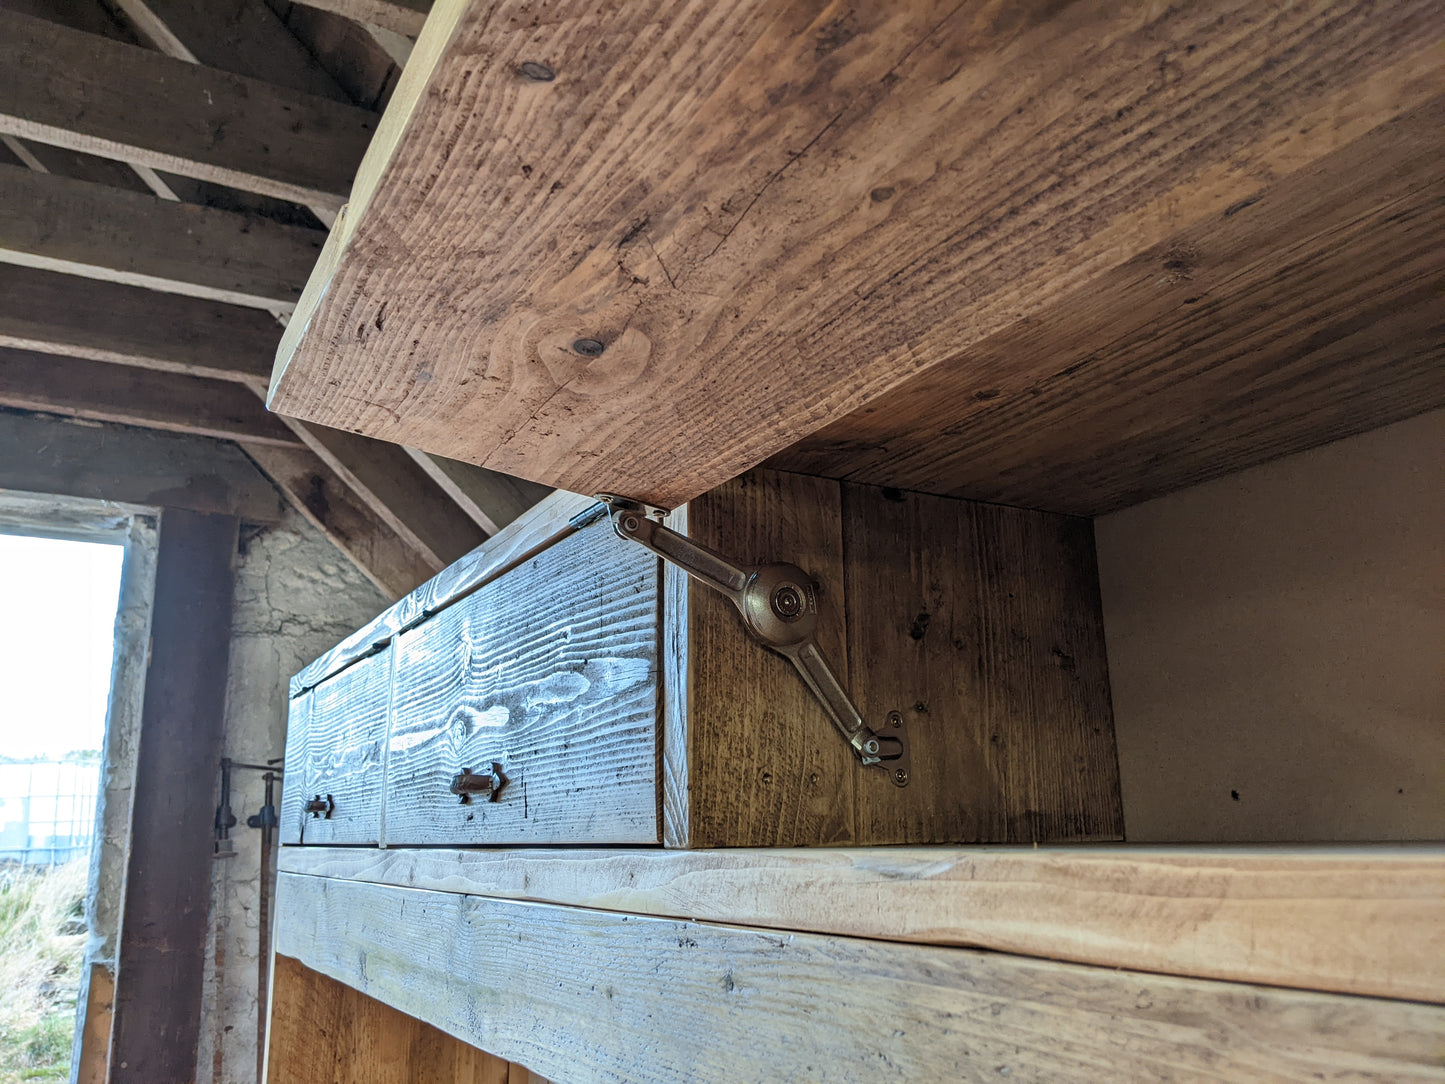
{"x": 467, "y": 783}
{"x": 779, "y": 606}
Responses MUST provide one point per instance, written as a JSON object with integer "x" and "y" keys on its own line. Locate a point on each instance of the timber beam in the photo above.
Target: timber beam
{"x": 100, "y": 232}
{"x": 107, "y": 98}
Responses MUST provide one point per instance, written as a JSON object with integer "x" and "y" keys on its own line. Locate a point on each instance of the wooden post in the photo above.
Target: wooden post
{"x": 168, "y": 878}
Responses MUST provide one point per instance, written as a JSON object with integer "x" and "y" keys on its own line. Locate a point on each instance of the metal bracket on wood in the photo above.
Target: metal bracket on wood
{"x": 779, "y": 606}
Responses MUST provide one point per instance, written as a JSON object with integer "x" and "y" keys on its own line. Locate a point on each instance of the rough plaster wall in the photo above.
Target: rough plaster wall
{"x": 296, "y": 595}
{"x": 1277, "y": 647}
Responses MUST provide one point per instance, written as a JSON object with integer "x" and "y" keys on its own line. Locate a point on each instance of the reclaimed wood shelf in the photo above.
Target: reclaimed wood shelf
{"x": 1062, "y": 258}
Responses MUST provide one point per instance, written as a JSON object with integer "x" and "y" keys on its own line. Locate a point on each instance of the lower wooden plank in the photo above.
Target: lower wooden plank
{"x": 323, "y": 1032}
{"x": 1365, "y": 920}
{"x": 584, "y": 995}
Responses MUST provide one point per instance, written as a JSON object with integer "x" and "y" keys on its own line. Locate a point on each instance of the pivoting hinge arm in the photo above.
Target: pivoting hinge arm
{"x": 779, "y": 606}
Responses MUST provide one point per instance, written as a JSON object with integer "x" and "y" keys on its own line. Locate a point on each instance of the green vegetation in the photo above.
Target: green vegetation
{"x": 42, "y": 936}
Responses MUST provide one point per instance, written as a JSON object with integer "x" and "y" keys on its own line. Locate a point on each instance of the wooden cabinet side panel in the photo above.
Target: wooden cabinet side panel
{"x": 334, "y": 748}
{"x": 550, "y": 671}
{"x": 982, "y": 625}
{"x": 765, "y": 766}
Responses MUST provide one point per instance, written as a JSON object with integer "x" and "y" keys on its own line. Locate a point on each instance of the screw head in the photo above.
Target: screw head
{"x": 787, "y": 602}
{"x": 589, "y": 348}
{"x": 536, "y": 70}
{"x": 901, "y": 775}
{"x": 895, "y": 720}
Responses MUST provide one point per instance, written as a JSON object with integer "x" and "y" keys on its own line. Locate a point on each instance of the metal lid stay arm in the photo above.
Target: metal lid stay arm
{"x": 779, "y": 606}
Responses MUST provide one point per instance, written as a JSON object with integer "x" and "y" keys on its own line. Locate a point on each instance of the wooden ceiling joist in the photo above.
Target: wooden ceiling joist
{"x": 81, "y": 91}
{"x": 97, "y": 231}
{"x": 120, "y": 393}
{"x": 491, "y": 499}
{"x": 758, "y": 219}
{"x": 319, "y": 494}
{"x": 52, "y": 313}
{"x": 405, "y": 17}
{"x": 390, "y": 483}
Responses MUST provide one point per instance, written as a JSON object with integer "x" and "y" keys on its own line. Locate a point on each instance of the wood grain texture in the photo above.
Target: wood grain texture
{"x": 579, "y": 995}
{"x": 765, "y": 767}
{"x": 1361, "y": 919}
{"x": 551, "y": 671}
{"x": 53, "y": 313}
{"x": 319, "y": 494}
{"x": 323, "y": 1032}
{"x": 106, "y": 98}
{"x": 335, "y": 745}
{"x": 58, "y": 224}
{"x": 136, "y": 466}
{"x": 519, "y": 541}
{"x": 101, "y": 391}
{"x": 1303, "y": 314}
{"x": 982, "y": 625}
{"x": 798, "y": 204}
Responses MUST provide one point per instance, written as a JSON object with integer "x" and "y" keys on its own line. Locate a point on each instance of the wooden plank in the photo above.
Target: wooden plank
{"x": 241, "y": 36}
{"x": 810, "y": 209}
{"x": 982, "y": 626}
{"x": 120, "y": 101}
{"x": 335, "y": 749}
{"x": 551, "y": 671}
{"x": 543, "y": 526}
{"x": 168, "y": 877}
{"x": 576, "y": 993}
{"x": 100, "y": 232}
{"x": 492, "y": 499}
{"x": 1361, "y": 919}
{"x": 134, "y": 466}
{"x": 323, "y": 1032}
{"x": 94, "y": 1046}
{"x": 765, "y": 767}
{"x": 101, "y": 391}
{"x": 316, "y": 491}
{"x": 390, "y": 483}
{"x": 399, "y": 16}
{"x": 1302, "y": 315}
{"x": 53, "y": 313}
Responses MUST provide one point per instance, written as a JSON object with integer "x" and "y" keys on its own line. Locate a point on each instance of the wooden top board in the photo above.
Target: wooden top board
{"x": 642, "y": 246}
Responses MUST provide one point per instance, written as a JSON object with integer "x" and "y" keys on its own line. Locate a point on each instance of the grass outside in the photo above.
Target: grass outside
{"x": 42, "y": 937}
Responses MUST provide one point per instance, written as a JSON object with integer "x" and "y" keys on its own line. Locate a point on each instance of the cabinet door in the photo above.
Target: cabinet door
{"x": 334, "y": 748}
{"x": 550, "y": 673}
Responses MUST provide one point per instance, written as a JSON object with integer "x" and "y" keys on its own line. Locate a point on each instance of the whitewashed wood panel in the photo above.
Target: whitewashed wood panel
{"x": 334, "y": 747}
{"x": 551, "y": 671}
{"x": 588, "y": 996}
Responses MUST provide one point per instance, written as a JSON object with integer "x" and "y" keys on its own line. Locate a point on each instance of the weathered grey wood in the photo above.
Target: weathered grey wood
{"x": 583, "y": 995}
{"x": 399, "y": 16}
{"x": 319, "y": 494}
{"x": 545, "y": 524}
{"x": 54, "y": 313}
{"x": 59, "y": 224}
{"x": 102, "y": 391}
{"x": 335, "y": 746}
{"x": 1353, "y": 919}
{"x": 40, "y": 454}
{"x": 982, "y": 625}
{"x": 390, "y": 483}
{"x": 491, "y": 498}
{"x": 241, "y": 36}
{"x": 119, "y": 101}
{"x": 163, "y": 928}
{"x": 551, "y": 671}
